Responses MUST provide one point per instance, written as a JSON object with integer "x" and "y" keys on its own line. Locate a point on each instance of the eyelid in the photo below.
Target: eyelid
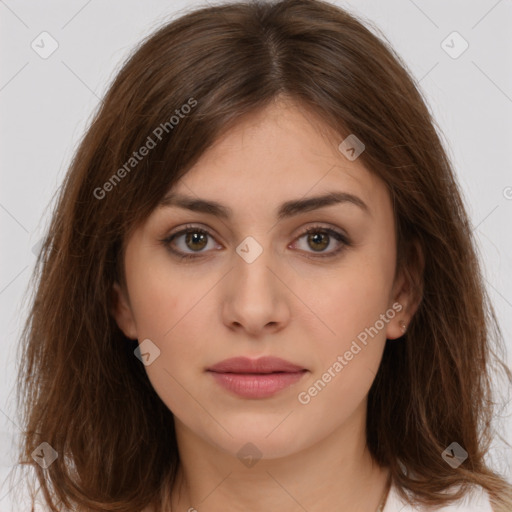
{"x": 186, "y": 227}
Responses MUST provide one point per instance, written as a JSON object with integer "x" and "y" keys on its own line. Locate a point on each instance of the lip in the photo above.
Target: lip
{"x": 256, "y": 378}
{"x": 265, "y": 364}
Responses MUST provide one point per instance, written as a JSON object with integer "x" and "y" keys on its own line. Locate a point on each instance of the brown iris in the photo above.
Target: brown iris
{"x": 316, "y": 239}
{"x": 196, "y": 238}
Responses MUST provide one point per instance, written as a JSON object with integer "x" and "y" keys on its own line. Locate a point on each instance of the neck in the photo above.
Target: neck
{"x": 335, "y": 473}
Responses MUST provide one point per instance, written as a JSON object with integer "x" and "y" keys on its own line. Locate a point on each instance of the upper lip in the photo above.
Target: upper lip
{"x": 266, "y": 364}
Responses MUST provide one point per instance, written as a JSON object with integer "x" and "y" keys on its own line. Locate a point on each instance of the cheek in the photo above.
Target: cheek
{"x": 172, "y": 316}
{"x": 348, "y": 354}
{"x": 164, "y": 306}
{"x": 351, "y": 299}
{"x": 155, "y": 305}
{"x": 350, "y": 303}
{"x": 159, "y": 294}
{"x": 168, "y": 311}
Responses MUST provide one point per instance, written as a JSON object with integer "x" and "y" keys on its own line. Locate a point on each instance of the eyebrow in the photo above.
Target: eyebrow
{"x": 286, "y": 210}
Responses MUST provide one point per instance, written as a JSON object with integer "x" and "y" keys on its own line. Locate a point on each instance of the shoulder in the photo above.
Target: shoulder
{"x": 476, "y": 500}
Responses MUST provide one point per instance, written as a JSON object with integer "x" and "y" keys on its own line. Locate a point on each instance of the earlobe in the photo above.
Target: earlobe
{"x": 404, "y": 307}
{"x": 407, "y": 292}
{"x": 122, "y": 312}
{"x": 397, "y": 327}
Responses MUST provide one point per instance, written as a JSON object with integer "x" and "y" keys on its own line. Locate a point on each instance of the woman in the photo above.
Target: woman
{"x": 259, "y": 290}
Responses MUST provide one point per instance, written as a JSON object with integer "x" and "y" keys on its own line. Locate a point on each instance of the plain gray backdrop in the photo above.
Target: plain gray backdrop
{"x": 47, "y": 101}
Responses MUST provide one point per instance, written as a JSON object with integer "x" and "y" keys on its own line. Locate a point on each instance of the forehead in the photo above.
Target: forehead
{"x": 281, "y": 152}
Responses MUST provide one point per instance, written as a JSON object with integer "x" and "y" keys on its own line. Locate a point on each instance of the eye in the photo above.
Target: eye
{"x": 318, "y": 238}
{"x": 192, "y": 237}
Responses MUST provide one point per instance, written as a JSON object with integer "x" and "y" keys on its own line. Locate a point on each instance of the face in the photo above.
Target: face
{"x": 253, "y": 283}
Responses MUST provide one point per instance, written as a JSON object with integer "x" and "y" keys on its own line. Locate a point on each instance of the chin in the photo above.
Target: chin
{"x": 259, "y": 440}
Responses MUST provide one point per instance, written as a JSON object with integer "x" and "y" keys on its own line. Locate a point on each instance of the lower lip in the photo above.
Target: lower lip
{"x": 261, "y": 385}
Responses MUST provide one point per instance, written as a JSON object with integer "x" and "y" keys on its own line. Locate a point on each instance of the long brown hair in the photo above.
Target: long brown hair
{"x": 82, "y": 390}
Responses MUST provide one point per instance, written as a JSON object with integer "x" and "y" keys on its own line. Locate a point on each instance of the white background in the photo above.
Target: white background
{"x": 47, "y": 103}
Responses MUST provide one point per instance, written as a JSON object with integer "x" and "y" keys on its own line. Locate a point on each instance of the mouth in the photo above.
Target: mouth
{"x": 256, "y": 378}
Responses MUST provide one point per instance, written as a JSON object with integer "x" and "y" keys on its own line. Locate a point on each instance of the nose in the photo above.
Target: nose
{"x": 255, "y": 296}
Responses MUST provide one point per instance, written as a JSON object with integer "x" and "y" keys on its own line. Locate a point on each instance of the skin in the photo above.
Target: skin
{"x": 289, "y": 303}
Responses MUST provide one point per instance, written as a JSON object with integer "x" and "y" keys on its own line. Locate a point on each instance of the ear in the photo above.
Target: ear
{"x": 122, "y": 312}
{"x": 407, "y": 291}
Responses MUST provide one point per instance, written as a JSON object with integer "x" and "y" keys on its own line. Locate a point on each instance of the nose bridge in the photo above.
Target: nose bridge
{"x": 251, "y": 265}
{"x": 254, "y": 297}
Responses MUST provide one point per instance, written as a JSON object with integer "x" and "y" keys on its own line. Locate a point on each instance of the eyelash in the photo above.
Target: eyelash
{"x": 312, "y": 229}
